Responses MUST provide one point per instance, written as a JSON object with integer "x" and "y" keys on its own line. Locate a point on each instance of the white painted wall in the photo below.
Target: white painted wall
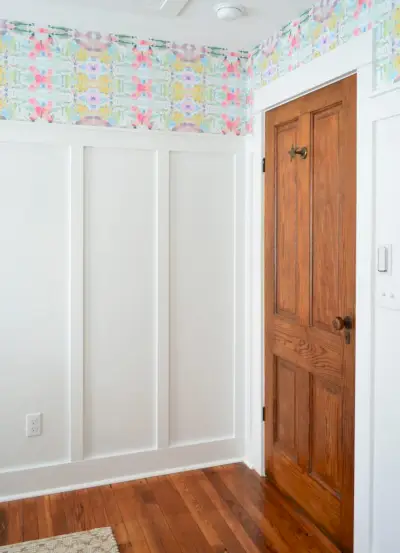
{"x": 122, "y": 302}
{"x": 384, "y": 123}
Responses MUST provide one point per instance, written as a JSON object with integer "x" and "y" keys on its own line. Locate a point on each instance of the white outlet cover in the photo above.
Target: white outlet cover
{"x": 33, "y": 425}
{"x": 388, "y": 299}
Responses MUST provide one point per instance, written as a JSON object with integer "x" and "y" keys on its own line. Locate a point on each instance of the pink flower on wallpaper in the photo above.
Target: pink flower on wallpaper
{"x": 142, "y": 57}
{"x": 249, "y": 126}
{"x": 41, "y": 79}
{"x": 188, "y": 127}
{"x": 231, "y": 124}
{"x": 323, "y": 10}
{"x": 361, "y": 6}
{"x": 232, "y": 96}
{"x": 295, "y": 37}
{"x": 142, "y": 118}
{"x": 5, "y": 26}
{"x": 41, "y": 110}
{"x": 41, "y": 47}
{"x": 250, "y": 66}
{"x": 93, "y": 41}
{"x": 187, "y": 52}
{"x": 269, "y": 45}
{"x": 232, "y": 68}
{"x": 142, "y": 88}
{"x": 249, "y": 98}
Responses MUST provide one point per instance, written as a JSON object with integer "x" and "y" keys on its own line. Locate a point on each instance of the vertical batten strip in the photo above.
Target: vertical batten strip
{"x": 163, "y": 241}
{"x": 236, "y": 419}
{"x": 76, "y": 191}
{"x": 239, "y": 311}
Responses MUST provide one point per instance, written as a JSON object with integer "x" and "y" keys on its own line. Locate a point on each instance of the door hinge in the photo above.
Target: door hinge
{"x": 263, "y": 165}
{"x": 263, "y": 414}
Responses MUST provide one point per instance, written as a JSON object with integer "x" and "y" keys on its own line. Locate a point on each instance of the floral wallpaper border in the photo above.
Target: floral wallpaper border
{"x": 61, "y": 75}
{"x": 323, "y": 27}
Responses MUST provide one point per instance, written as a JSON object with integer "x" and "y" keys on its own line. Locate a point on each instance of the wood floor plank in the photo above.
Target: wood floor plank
{"x": 227, "y": 508}
{"x": 84, "y": 510}
{"x": 30, "y": 513}
{"x": 128, "y": 509}
{"x": 98, "y": 508}
{"x": 184, "y": 528}
{"x": 285, "y": 532}
{"x": 217, "y": 532}
{"x": 68, "y": 503}
{"x": 255, "y": 533}
{"x": 3, "y": 523}
{"x": 57, "y": 514}
{"x": 115, "y": 517}
{"x": 268, "y": 499}
{"x": 158, "y": 534}
{"x": 230, "y": 519}
{"x": 15, "y": 522}
{"x": 45, "y": 523}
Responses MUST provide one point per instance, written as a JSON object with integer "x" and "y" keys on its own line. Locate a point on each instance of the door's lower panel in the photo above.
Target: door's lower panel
{"x": 318, "y": 502}
{"x": 306, "y": 441}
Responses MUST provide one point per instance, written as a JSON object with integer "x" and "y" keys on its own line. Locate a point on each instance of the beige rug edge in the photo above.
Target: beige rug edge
{"x": 98, "y": 540}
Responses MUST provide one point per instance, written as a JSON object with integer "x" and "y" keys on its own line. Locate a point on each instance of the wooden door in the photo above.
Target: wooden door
{"x": 310, "y": 212}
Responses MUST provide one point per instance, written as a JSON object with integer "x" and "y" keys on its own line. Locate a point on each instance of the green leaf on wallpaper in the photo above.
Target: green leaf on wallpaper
{"x": 217, "y": 52}
{"x": 285, "y": 30}
{"x": 161, "y": 44}
{"x": 62, "y": 32}
{"x": 22, "y": 28}
{"x": 127, "y": 40}
{"x": 305, "y": 16}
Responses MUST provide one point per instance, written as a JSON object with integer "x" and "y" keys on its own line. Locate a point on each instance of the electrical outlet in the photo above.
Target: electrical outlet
{"x": 33, "y": 425}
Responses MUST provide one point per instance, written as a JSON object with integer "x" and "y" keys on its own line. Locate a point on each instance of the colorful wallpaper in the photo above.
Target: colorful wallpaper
{"x": 323, "y": 27}
{"x": 60, "y": 75}
{"x": 55, "y": 74}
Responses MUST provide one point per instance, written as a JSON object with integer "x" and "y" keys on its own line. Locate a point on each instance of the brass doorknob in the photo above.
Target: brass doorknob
{"x": 338, "y": 323}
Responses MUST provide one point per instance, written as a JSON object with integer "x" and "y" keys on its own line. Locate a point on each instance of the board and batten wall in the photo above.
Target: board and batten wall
{"x": 122, "y": 304}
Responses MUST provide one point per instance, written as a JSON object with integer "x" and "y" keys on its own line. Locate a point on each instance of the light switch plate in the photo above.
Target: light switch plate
{"x": 384, "y": 259}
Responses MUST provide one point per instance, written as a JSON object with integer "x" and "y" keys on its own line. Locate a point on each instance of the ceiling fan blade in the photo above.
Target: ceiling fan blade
{"x": 173, "y": 7}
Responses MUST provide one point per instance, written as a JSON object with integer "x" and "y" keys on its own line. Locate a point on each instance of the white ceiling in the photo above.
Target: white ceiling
{"x": 181, "y": 20}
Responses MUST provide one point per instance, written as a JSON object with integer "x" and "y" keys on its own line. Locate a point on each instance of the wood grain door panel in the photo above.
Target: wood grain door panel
{"x": 286, "y": 261}
{"x": 310, "y": 280}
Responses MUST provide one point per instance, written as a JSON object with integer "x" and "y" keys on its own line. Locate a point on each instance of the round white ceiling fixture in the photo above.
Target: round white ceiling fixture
{"x": 228, "y": 11}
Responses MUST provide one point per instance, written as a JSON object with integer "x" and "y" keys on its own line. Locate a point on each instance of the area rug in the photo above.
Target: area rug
{"x": 100, "y": 540}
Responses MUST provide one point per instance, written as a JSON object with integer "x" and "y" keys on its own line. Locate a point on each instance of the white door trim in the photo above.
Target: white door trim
{"x": 355, "y": 56}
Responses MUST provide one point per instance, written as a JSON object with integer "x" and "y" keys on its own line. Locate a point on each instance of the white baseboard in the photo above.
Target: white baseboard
{"x": 43, "y": 480}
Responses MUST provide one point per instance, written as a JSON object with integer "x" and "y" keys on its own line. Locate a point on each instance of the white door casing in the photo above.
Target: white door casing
{"x": 370, "y": 531}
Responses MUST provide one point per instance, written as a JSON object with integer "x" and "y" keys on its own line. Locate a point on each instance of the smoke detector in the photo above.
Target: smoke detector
{"x": 229, "y": 12}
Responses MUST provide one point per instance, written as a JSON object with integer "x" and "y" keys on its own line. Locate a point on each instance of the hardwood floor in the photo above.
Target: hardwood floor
{"x": 206, "y": 511}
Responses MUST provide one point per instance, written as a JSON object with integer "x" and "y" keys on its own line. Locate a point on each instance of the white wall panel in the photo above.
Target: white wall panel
{"x": 202, "y": 216}
{"x": 119, "y": 311}
{"x": 33, "y": 302}
{"x": 121, "y": 304}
